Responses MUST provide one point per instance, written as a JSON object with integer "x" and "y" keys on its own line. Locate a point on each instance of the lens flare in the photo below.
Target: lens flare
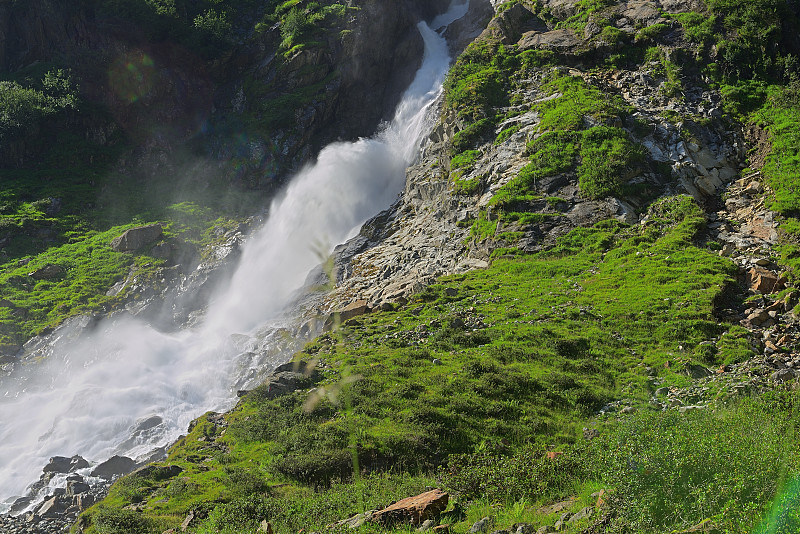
{"x": 783, "y": 516}
{"x": 131, "y": 76}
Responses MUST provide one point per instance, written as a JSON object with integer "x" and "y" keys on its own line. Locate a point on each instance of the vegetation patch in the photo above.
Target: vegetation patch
{"x": 479, "y": 375}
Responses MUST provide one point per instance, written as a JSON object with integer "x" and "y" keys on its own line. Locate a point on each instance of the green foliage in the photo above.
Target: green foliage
{"x": 554, "y": 152}
{"x": 527, "y": 474}
{"x": 464, "y": 160}
{"x": 24, "y": 106}
{"x": 506, "y": 133}
{"x": 698, "y": 27}
{"x": 90, "y": 269}
{"x": 781, "y": 117}
{"x": 475, "y": 378}
{"x": 612, "y": 35}
{"x": 303, "y": 19}
{"x": 576, "y": 101}
{"x": 583, "y": 10}
{"x": 478, "y": 80}
{"x": 206, "y": 26}
{"x": 673, "y": 470}
{"x": 607, "y": 158}
{"x": 650, "y": 33}
{"x": 753, "y": 40}
{"x": 469, "y": 137}
{"x": 468, "y": 186}
{"x": 293, "y": 26}
{"x": 213, "y": 23}
{"x": 113, "y": 521}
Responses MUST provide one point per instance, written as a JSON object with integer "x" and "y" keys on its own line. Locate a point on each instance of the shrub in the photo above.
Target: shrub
{"x": 607, "y": 158}
{"x": 114, "y": 521}
{"x": 672, "y": 470}
{"x": 527, "y": 474}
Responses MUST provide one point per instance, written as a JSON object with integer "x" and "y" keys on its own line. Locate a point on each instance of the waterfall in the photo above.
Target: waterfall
{"x": 128, "y": 389}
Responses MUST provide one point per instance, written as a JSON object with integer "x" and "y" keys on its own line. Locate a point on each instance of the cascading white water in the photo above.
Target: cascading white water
{"x": 89, "y": 396}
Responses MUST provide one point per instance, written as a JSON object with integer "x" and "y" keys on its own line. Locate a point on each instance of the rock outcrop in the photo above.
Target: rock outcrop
{"x": 136, "y": 238}
{"x": 426, "y": 234}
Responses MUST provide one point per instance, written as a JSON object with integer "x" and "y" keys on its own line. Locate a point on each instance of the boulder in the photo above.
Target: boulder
{"x": 83, "y": 501}
{"x": 763, "y": 280}
{"x": 585, "y": 513}
{"x": 52, "y": 507}
{"x": 414, "y": 510}
{"x": 158, "y": 472}
{"x": 62, "y": 464}
{"x": 75, "y": 487}
{"x": 563, "y": 41}
{"x": 286, "y": 382}
{"x": 354, "y": 309}
{"x": 758, "y": 317}
{"x": 47, "y": 272}
{"x": 482, "y": 525}
{"x": 136, "y": 238}
{"x": 113, "y": 467}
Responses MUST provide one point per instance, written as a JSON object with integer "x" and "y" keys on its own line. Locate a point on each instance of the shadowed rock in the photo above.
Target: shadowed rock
{"x": 136, "y": 238}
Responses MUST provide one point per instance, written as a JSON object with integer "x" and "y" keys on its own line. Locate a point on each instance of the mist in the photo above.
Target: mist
{"x": 126, "y": 388}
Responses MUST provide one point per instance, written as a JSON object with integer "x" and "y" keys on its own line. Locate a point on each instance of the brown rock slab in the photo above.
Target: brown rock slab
{"x": 354, "y": 309}
{"x": 763, "y": 280}
{"x": 413, "y": 510}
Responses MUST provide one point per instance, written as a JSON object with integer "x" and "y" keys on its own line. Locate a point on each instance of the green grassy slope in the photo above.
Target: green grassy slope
{"x": 484, "y": 373}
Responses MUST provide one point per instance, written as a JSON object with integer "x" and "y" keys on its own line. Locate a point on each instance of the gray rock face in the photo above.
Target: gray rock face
{"x": 136, "y": 238}
{"x": 481, "y": 525}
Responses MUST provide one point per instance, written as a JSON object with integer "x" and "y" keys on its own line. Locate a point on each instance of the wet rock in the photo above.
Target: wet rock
{"x": 53, "y": 507}
{"x": 62, "y": 464}
{"x": 114, "y": 467}
{"x": 75, "y": 487}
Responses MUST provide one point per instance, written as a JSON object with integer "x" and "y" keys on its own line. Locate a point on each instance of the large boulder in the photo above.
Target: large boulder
{"x": 136, "y": 238}
{"x": 414, "y": 510}
{"x": 62, "y": 464}
{"x": 47, "y": 272}
{"x": 113, "y": 467}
